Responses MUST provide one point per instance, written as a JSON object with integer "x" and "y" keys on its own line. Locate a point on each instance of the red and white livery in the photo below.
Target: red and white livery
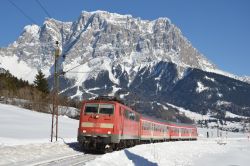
{"x": 106, "y": 124}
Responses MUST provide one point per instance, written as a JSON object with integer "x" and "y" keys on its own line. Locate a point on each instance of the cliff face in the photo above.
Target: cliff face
{"x": 116, "y": 54}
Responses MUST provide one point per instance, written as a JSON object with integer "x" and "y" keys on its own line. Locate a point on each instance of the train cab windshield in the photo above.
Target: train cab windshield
{"x": 99, "y": 109}
{"x": 91, "y": 108}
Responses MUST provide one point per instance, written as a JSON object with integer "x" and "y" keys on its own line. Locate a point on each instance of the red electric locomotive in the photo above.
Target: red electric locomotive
{"x": 107, "y": 124}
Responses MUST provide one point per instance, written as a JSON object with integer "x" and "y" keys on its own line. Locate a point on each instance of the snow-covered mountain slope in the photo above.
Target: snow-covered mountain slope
{"x": 112, "y": 54}
{"x": 231, "y": 122}
{"x": 108, "y": 39}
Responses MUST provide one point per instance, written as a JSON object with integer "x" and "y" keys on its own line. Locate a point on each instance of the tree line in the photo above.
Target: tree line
{"x": 36, "y": 96}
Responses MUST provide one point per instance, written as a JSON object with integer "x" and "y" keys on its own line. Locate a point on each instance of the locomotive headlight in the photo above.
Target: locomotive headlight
{"x": 84, "y": 131}
{"x": 109, "y": 132}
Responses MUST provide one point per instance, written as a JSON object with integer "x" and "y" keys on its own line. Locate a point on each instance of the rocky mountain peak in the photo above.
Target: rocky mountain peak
{"x": 119, "y": 37}
{"x": 110, "y": 54}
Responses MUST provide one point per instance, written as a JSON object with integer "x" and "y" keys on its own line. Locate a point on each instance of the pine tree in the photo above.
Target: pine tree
{"x": 41, "y": 83}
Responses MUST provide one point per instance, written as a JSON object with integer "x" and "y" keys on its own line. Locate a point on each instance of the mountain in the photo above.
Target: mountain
{"x": 144, "y": 61}
{"x": 99, "y": 36}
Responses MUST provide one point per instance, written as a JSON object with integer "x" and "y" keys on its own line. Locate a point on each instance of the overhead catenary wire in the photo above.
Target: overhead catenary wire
{"x": 81, "y": 72}
{"x": 43, "y": 8}
{"x": 63, "y": 55}
{"x": 54, "y": 125}
{"x": 23, "y": 13}
{"x": 72, "y": 68}
{"x": 34, "y": 22}
{"x": 47, "y": 13}
{"x": 82, "y": 63}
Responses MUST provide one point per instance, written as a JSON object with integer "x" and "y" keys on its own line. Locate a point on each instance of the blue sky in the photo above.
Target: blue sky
{"x": 219, "y": 29}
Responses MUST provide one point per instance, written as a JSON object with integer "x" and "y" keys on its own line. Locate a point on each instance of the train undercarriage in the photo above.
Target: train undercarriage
{"x": 99, "y": 144}
{"x": 104, "y": 144}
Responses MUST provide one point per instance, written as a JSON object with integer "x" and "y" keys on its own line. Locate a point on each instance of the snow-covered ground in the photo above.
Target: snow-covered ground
{"x": 25, "y": 136}
{"x": 20, "y": 126}
{"x": 230, "y": 149}
{"x": 180, "y": 154}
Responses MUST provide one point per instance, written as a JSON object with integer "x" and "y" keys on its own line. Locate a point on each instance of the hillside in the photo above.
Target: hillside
{"x": 146, "y": 62}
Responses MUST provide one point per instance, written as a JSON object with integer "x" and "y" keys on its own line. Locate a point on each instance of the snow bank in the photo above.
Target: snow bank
{"x": 21, "y": 126}
{"x": 182, "y": 153}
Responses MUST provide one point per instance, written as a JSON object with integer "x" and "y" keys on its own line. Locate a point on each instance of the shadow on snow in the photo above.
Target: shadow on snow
{"x": 138, "y": 160}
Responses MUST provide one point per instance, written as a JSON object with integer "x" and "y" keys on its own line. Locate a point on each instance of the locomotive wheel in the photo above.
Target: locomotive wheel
{"x": 108, "y": 148}
{"x": 85, "y": 148}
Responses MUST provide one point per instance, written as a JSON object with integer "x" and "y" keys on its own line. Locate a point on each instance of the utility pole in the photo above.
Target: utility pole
{"x": 218, "y": 134}
{"x": 248, "y": 129}
{"x": 54, "y": 124}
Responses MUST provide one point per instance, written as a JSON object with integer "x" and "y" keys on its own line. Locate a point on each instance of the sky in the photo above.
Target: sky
{"x": 219, "y": 29}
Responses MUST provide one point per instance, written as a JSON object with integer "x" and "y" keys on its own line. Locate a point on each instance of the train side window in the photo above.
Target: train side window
{"x": 137, "y": 117}
{"x": 131, "y": 115}
{"x": 120, "y": 111}
{"x": 126, "y": 113}
{"x": 106, "y": 109}
{"x": 145, "y": 126}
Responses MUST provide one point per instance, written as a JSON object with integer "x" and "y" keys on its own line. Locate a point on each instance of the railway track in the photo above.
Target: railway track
{"x": 72, "y": 160}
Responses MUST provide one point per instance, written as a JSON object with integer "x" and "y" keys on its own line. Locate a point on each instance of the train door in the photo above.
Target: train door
{"x": 152, "y": 130}
{"x": 121, "y": 111}
{"x": 137, "y": 118}
{"x": 164, "y": 133}
{"x": 180, "y": 132}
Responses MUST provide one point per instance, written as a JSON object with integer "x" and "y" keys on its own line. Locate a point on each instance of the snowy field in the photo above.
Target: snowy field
{"x": 25, "y": 136}
{"x": 20, "y": 126}
{"x": 202, "y": 152}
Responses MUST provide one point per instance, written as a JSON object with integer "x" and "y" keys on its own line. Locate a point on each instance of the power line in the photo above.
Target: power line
{"x": 72, "y": 68}
{"x": 46, "y": 11}
{"x": 43, "y": 8}
{"x": 80, "y": 71}
{"x": 21, "y": 11}
{"x": 68, "y": 71}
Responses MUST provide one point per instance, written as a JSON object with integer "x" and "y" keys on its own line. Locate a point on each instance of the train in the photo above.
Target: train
{"x": 107, "y": 124}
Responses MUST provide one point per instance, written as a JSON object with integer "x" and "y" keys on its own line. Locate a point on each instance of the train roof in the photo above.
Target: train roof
{"x": 109, "y": 98}
{"x": 116, "y": 99}
{"x": 165, "y": 121}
